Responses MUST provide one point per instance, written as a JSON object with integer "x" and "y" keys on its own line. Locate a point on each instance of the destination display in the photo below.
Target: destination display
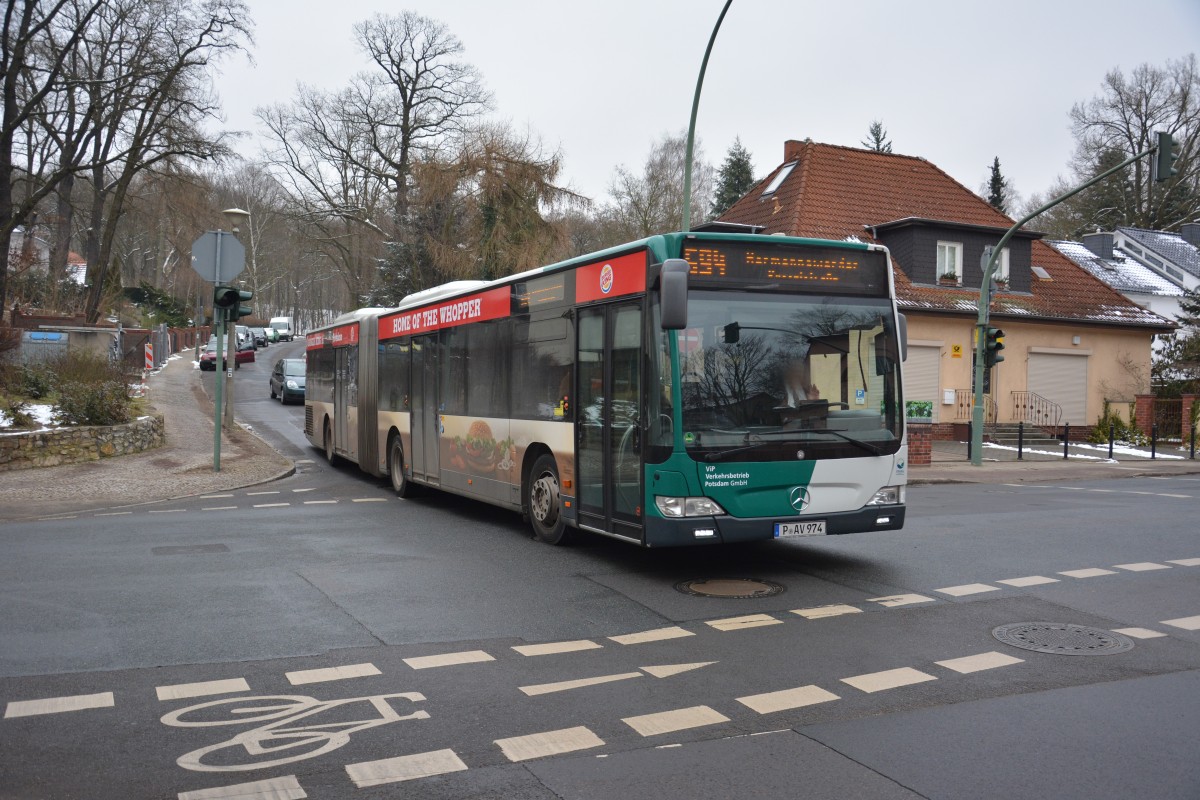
{"x": 833, "y": 270}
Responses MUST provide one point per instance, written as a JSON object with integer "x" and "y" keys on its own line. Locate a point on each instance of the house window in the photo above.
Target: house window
{"x": 949, "y": 261}
{"x": 1001, "y": 274}
{"x": 779, "y": 178}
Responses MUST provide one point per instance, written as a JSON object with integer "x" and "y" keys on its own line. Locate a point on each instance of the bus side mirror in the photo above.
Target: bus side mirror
{"x": 903, "y": 337}
{"x": 672, "y": 293}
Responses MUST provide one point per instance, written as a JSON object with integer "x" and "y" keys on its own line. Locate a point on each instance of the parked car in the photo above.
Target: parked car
{"x": 245, "y": 351}
{"x": 260, "y": 337}
{"x": 287, "y": 380}
{"x": 244, "y": 335}
{"x": 208, "y": 356}
{"x": 272, "y": 335}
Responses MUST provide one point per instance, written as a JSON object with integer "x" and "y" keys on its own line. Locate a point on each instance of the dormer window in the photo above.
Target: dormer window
{"x": 949, "y": 262}
{"x": 779, "y": 178}
{"x": 1001, "y": 274}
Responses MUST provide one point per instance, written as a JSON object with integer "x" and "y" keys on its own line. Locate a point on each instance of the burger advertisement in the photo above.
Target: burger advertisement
{"x": 480, "y": 453}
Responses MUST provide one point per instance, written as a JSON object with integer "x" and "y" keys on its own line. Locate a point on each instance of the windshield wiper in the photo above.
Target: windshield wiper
{"x": 720, "y": 455}
{"x": 870, "y": 448}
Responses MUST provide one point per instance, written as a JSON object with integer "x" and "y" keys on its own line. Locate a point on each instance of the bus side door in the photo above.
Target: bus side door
{"x": 424, "y": 456}
{"x": 609, "y": 435}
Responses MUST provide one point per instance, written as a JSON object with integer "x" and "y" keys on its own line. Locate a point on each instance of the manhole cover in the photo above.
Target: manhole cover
{"x": 729, "y": 588}
{"x": 1062, "y": 638}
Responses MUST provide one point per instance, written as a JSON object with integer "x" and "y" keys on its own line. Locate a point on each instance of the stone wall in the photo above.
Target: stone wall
{"x": 49, "y": 448}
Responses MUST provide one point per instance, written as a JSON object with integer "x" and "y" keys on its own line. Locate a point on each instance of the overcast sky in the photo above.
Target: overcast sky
{"x": 953, "y": 81}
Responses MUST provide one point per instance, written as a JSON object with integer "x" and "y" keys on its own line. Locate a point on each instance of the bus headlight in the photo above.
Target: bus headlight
{"x": 888, "y": 496}
{"x": 688, "y": 507}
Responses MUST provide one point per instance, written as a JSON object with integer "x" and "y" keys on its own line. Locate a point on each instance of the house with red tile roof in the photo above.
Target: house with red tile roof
{"x": 1071, "y": 341}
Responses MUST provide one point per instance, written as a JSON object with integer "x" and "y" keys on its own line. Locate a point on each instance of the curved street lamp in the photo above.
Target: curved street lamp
{"x": 691, "y": 136}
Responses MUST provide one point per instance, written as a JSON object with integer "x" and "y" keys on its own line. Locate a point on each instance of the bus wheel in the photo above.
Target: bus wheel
{"x": 545, "y": 503}
{"x": 400, "y": 482}
{"x": 330, "y": 455}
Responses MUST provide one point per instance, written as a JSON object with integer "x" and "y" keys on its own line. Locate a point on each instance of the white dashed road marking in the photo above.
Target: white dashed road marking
{"x": 1139, "y": 633}
{"x": 306, "y": 676}
{"x": 1030, "y": 580}
{"x": 888, "y": 679}
{"x": 369, "y": 500}
{"x": 550, "y": 743}
{"x": 967, "y": 588}
{"x": 183, "y": 691}
{"x": 826, "y": 611}
{"x": 897, "y": 600}
{"x": 58, "y": 705}
{"x": 738, "y": 623}
{"x": 1094, "y": 572}
{"x": 556, "y": 647}
{"x": 1186, "y": 562}
{"x": 220, "y": 508}
{"x": 564, "y": 686}
{"x": 671, "y": 721}
{"x": 978, "y": 663}
{"x": 404, "y": 768}
{"x": 271, "y": 505}
{"x": 1184, "y": 623}
{"x": 787, "y": 699}
{"x": 448, "y": 659}
{"x": 285, "y": 788}
{"x": 320, "y": 502}
{"x": 1143, "y": 566}
{"x": 658, "y": 635}
{"x": 667, "y": 670}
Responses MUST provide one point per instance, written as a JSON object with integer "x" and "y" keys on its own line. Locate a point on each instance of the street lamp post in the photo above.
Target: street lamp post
{"x": 691, "y": 135}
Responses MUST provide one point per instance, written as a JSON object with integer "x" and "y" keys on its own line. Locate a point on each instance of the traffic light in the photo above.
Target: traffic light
{"x": 229, "y": 299}
{"x": 992, "y": 346}
{"x": 1164, "y": 157}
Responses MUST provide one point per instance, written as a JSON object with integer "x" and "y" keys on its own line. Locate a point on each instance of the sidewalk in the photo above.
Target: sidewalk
{"x": 182, "y": 467}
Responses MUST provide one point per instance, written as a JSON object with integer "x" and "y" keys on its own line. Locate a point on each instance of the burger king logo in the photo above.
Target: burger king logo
{"x": 606, "y": 279}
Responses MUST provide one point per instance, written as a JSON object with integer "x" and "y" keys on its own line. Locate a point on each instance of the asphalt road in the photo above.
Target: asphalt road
{"x": 318, "y": 637}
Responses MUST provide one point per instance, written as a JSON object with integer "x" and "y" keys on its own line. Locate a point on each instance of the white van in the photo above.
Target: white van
{"x": 284, "y": 327}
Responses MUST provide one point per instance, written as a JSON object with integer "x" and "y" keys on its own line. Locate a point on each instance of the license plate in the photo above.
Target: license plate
{"x": 814, "y": 527}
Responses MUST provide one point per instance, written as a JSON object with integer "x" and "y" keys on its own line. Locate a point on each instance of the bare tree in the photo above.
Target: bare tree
{"x": 652, "y": 202}
{"x": 36, "y": 42}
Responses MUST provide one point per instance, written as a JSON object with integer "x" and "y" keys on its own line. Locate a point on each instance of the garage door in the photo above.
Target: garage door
{"x": 1062, "y": 380}
{"x": 922, "y": 377}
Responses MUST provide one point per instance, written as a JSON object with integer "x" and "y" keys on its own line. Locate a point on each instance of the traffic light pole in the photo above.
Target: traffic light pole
{"x": 981, "y": 323}
{"x": 219, "y": 318}
{"x": 231, "y": 365}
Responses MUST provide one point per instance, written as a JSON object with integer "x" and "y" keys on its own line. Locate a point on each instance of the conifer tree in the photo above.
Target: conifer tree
{"x": 997, "y": 189}
{"x": 877, "y": 140}
{"x": 734, "y": 179}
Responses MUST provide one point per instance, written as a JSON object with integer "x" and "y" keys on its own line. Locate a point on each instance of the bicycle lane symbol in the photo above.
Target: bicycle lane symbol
{"x": 283, "y": 731}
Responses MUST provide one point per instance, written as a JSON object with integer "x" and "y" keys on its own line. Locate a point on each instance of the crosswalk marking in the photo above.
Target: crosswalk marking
{"x": 58, "y": 705}
{"x": 897, "y": 600}
{"x": 285, "y": 788}
{"x": 826, "y": 611}
{"x": 1184, "y": 623}
{"x": 1093, "y": 572}
{"x": 658, "y": 635}
{"x": 306, "y": 676}
{"x": 749, "y": 621}
{"x": 671, "y": 721}
{"x": 550, "y": 743}
{"x": 888, "y": 679}
{"x": 1139, "y": 633}
{"x": 182, "y": 691}
{"x": 967, "y": 589}
{"x": 448, "y": 659}
{"x": 556, "y": 647}
{"x": 1029, "y": 580}
{"x": 404, "y": 768}
{"x": 978, "y": 663}
{"x": 787, "y": 699}
{"x": 1141, "y": 566}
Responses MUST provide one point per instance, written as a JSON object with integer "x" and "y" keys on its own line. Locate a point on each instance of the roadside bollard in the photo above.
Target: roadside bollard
{"x": 1066, "y": 441}
{"x": 1153, "y": 441}
{"x": 1020, "y": 440}
{"x": 970, "y": 438}
{"x": 1193, "y": 455}
{"x": 1112, "y": 433}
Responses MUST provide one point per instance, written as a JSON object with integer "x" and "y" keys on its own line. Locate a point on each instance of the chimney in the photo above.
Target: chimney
{"x": 1190, "y": 231}
{"x": 1099, "y": 243}
{"x": 792, "y": 150}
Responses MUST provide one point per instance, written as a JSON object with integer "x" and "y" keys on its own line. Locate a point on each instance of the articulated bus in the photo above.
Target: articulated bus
{"x": 688, "y": 388}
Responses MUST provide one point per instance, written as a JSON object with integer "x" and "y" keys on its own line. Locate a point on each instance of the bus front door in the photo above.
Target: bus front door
{"x": 609, "y": 435}
{"x": 424, "y": 456}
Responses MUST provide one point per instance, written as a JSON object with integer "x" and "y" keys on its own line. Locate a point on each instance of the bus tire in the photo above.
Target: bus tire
{"x": 400, "y": 482}
{"x": 330, "y": 455}
{"x": 543, "y": 501}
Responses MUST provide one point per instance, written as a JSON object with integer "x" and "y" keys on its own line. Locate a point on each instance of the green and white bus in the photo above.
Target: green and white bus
{"x": 688, "y": 388}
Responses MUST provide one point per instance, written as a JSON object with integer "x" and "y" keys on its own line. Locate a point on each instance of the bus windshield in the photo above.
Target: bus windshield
{"x": 768, "y": 377}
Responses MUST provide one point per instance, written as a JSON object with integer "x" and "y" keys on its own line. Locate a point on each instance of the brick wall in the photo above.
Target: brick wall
{"x": 920, "y": 444}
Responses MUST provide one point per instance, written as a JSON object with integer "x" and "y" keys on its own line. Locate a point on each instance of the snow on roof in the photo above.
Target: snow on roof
{"x": 1121, "y": 272}
{"x": 1171, "y": 246}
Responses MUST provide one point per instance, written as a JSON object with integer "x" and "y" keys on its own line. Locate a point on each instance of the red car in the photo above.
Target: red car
{"x": 208, "y": 357}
